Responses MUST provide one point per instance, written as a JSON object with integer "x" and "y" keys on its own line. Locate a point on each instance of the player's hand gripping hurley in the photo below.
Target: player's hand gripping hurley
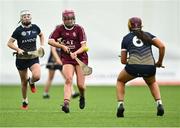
{"x": 30, "y": 54}
{"x": 85, "y": 68}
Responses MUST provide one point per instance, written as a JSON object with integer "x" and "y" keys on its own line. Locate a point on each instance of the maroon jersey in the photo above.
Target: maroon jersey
{"x": 73, "y": 38}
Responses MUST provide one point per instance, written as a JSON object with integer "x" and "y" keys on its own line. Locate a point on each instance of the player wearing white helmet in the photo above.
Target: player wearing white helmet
{"x": 26, "y": 35}
{"x": 25, "y": 17}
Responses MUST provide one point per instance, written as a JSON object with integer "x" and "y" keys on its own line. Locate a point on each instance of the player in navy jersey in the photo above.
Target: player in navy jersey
{"x": 55, "y": 63}
{"x": 73, "y": 39}
{"x": 140, "y": 63}
{"x": 26, "y": 35}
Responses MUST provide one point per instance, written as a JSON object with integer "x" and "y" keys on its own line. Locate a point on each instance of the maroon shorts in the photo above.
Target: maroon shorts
{"x": 68, "y": 60}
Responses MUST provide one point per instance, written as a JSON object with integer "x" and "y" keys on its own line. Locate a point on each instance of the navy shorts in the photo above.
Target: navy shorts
{"x": 140, "y": 70}
{"x": 54, "y": 66}
{"x": 22, "y": 64}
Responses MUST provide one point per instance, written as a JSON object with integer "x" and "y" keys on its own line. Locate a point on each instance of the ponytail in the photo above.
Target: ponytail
{"x": 142, "y": 36}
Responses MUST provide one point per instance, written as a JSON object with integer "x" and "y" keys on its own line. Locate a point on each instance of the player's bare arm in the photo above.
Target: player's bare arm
{"x": 159, "y": 44}
{"x": 11, "y": 45}
{"x": 123, "y": 56}
{"x": 82, "y": 48}
{"x": 55, "y": 55}
{"x": 41, "y": 36}
{"x": 52, "y": 42}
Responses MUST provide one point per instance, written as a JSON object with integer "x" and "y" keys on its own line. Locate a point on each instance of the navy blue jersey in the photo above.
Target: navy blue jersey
{"x": 26, "y": 37}
{"x": 139, "y": 52}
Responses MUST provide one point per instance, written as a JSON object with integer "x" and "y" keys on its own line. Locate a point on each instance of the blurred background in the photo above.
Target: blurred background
{"x": 105, "y": 24}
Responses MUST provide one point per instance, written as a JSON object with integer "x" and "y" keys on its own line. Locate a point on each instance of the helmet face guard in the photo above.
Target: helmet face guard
{"x": 134, "y": 23}
{"x": 25, "y": 17}
{"x": 68, "y": 17}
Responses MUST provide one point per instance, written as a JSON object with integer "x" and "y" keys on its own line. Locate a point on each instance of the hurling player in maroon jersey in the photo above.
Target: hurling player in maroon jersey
{"x": 141, "y": 63}
{"x": 26, "y": 35}
{"x": 72, "y": 42}
{"x": 54, "y": 64}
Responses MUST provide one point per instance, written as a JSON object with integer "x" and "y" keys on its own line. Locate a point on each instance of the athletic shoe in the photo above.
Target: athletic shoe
{"x": 120, "y": 111}
{"x": 47, "y": 96}
{"x": 81, "y": 102}
{"x": 24, "y": 106}
{"x": 65, "y": 108}
{"x": 76, "y": 94}
{"x": 32, "y": 86}
{"x": 160, "y": 110}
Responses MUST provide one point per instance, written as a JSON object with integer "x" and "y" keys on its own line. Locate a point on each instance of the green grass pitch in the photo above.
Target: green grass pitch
{"x": 100, "y": 110}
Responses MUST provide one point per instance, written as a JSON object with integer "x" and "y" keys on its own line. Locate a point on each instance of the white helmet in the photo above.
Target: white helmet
{"x": 22, "y": 13}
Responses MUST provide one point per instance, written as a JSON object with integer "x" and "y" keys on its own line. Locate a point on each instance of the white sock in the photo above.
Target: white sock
{"x": 120, "y": 102}
{"x": 25, "y": 100}
{"x": 45, "y": 93}
{"x": 158, "y": 102}
{"x": 73, "y": 92}
{"x": 30, "y": 80}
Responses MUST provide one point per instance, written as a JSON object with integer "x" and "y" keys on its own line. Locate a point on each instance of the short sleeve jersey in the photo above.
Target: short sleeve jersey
{"x": 26, "y": 37}
{"x": 139, "y": 52}
{"x": 73, "y": 38}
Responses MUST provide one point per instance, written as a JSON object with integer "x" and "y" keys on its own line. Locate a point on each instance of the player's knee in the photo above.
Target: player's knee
{"x": 119, "y": 79}
{"x": 36, "y": 78}
{"x": 150, "y": 82}
{"x": 69, "y": 80}
{"x": 24, "y": 82}
{"x": 50, "y": 78}
{"x": 81, "y": 86}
